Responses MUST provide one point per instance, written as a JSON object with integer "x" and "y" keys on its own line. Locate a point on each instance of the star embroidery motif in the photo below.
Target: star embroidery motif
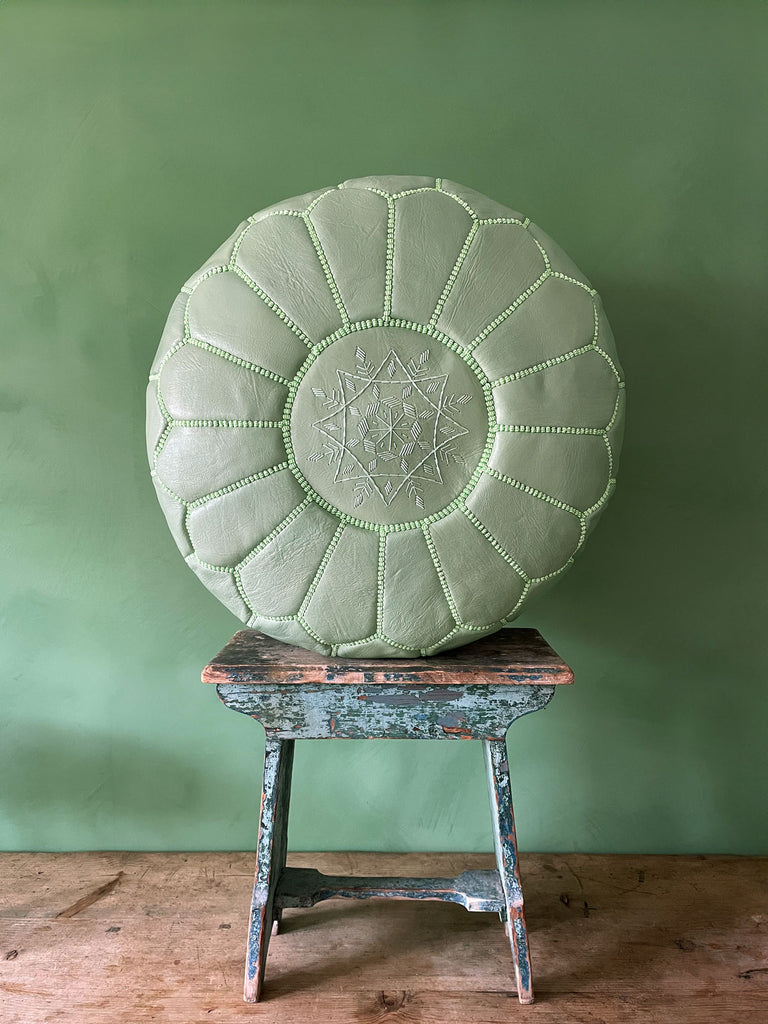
{"x": 389, "y": 428}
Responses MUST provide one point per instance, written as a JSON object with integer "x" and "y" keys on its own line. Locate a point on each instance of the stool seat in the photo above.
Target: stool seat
{"x": 475, "y": 692}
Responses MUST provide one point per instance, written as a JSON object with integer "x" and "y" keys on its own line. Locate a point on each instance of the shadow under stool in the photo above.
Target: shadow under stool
{"x": 473, "y": 693}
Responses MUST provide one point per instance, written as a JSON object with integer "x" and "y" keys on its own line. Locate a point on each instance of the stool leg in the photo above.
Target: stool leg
{"x": 505, "y": 843}
{"x": 281, "y": 826}
{"x": 270, "y": 860}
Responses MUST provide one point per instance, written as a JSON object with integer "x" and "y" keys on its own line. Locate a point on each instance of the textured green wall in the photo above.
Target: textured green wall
{"x": 133, "y": 138}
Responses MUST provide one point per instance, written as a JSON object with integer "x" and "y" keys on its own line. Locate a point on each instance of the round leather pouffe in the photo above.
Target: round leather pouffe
{"x": 383, "y": 416}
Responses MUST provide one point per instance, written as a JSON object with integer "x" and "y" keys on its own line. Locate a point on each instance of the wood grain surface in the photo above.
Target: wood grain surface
{"x": 161, "y": 937}
{"x": 510, "y": 656}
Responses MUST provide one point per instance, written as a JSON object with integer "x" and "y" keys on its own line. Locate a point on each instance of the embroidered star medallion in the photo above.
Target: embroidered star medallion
{"x": 389, "y": 428}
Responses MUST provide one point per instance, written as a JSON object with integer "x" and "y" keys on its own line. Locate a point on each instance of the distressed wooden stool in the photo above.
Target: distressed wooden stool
{"x": 475, "y": 692}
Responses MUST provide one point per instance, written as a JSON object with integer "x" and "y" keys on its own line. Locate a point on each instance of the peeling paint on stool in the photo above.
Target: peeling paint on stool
{"x": 474, "y": 693}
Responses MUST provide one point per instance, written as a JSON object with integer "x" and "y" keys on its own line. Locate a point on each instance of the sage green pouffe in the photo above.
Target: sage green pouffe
{"x": 383, "y": 416}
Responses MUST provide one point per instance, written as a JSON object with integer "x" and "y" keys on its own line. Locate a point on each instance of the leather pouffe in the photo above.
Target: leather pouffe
{"x": 383, "y": 416}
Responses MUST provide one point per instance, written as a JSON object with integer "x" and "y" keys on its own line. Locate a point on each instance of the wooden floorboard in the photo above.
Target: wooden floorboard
{"x": 107, "y": 938}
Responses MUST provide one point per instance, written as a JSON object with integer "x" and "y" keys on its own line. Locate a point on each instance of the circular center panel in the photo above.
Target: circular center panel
{"x": 388, "y": 425}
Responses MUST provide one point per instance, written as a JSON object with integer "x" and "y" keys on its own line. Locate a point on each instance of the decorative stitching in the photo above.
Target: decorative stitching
{"x": 600, "y": 501}
{"x": 544, "y": 365}
{"x": 582, "y": 516}
{"x": 453, "y": 275}
{"x": 319, "y": 199}
{"x": 596, "y": 321}
{"x": 609, "y": 450}
{"x": 505, "y": 220}
{"x": 419, "y": 329}
{"x": 508, "y": 311}
{"x": 377, "y": 191}
{"x": 326, "y": 269}
{"x": 293, "y": 514}
{"x": 556, "y": 572}
{"x": 459, "y": 627}
{"x": 210, "y": 272}
{"x": 394, "y": 643}
{"x": 615, "y": 413}
{"x": 573, "y": 280}
{"x": 412, "y": 191}
{"x": 223, "y": 569}
{"x": 409, "y": 325}
{"x": 534, "y": 492}
{"x": 540, "y": 247}
{"x": 236, "y": 247}
{"x": 436, "y": 647}
{"x": 520, "y": 601}
{"x": 199, "y": 502}
{"x": 308, "y": 629}
{"x": 495, "y": 544}
{"x": 460, "y": 201}
{"x": 380, "y": 569}
{"x": 241, "y": 591}
{"x": 364, "y": 640}
{"x": 441, "y": 574}
{"x": 610, "y": 362}
{"x": 232, "y": 424}
{"x": 395, "y": 195}
{"x": 208, "y": 347}
{"x": 389, "y": 411}
{"x": 389, "y": 262}
{"x": 180, "y": 501}
{"x": 176, "y": 497}
{"x": 526, "y": 428}
{"x": 176, "y": 347}
{"x": 165, "y": 434}
{"x": 484, "y": 629}
{"x": 276, "y": 213}
{"x": 607, "y": 430}
{"x": 322, "y": 567}
{"x": 271, "y": 304}
{"x": 256, "y": 218}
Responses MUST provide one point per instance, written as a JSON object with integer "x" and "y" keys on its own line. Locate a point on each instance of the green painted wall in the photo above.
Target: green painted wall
{"x": 133, "y": 138}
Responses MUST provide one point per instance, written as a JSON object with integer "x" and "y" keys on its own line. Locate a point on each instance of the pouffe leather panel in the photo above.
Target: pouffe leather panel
{"x": 383, "y": 416}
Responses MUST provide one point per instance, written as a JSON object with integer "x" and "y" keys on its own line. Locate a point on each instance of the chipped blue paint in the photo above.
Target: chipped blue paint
{"x": 272, "y": 848}
{"x": 505, "y": 845}
{"x": 472, "y": 694}
{"x": 404, "y": 711}
{"x": 413, "y": 697}
{"x": 473, "y": 890}
{"x": 474, "y": 711}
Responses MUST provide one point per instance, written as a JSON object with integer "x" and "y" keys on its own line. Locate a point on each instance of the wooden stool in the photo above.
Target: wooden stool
{"x": 474, "y": 692}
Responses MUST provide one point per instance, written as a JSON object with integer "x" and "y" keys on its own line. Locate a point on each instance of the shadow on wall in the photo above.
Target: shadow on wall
{"x": 678, "y": 549}
{"x": 662, "y": 617}
{"x": 82, "y": 786}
